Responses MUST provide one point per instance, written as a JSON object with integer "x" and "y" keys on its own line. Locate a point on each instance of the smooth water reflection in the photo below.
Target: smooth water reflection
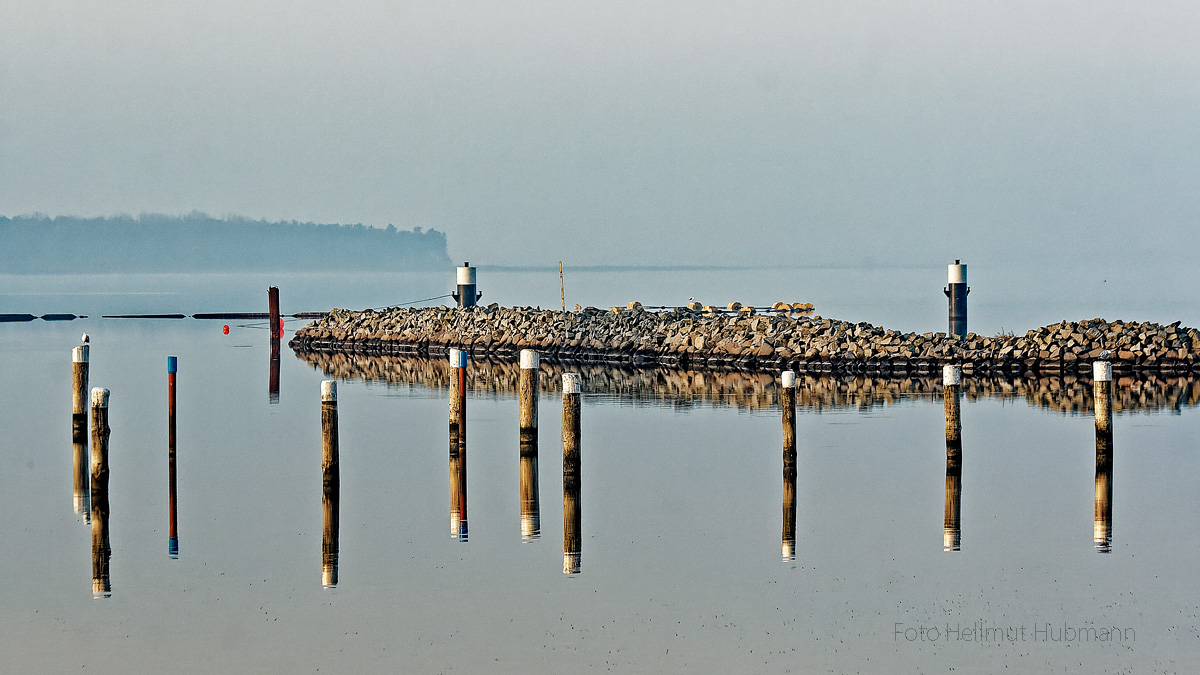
{"x": 681, "y": 389}
{"x": 699, "y": 574}
{"x": 531, "y": 507}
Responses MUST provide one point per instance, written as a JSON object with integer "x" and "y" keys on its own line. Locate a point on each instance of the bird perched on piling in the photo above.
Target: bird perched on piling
{"x": 85, "y": 338}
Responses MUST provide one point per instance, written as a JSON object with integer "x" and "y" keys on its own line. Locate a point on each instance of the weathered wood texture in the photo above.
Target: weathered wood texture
{"x": 572, "y": 508}
{"x": 101, "y": 550}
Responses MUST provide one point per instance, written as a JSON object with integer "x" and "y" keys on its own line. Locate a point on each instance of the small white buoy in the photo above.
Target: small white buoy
{"x": 85, "y": 338}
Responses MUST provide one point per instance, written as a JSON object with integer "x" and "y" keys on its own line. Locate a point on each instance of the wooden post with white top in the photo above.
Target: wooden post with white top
{"x": 458, "y": 445}
{"x": 1103, "y": 391}
{"x": 787, "y": 401}
{"x": 952, "y": 525}
{"x": 79, "y": 431}
{"x": 101, "y": 551}
{"x": 172, "y": 521}
{"x": 330, "y": 484}
{"x": 527, "y": 394}
{"x": 572, "y": 509}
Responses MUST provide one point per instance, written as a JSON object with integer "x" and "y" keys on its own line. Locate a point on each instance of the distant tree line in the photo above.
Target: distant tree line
{"x": 199, "y": 243}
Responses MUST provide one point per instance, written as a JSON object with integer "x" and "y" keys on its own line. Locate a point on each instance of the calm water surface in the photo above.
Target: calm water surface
{"x": 682, "y": 526}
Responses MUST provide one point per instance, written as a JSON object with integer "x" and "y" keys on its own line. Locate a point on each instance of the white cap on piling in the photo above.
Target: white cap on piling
{"x": 328, "y": 390}
{"x": 458, "y": 358}
{"x": 789, "y": 379}
{"x": 529, "y": 359}
{"x": 80, "y": 354}
{"x": 951, "y": 375}
{"x": 1102, "y": 371}
{"x": 100, "y": 397}
{"x": 571, "y": 383}
{"x": 466, "y": 274}
{"x": 957, "y": 273}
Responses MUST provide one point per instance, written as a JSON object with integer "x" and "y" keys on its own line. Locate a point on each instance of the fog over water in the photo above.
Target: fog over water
{"x": 1016, "y": 135}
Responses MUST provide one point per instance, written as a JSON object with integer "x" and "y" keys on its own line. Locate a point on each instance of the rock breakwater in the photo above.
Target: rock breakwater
{"x": 696, "y": 339}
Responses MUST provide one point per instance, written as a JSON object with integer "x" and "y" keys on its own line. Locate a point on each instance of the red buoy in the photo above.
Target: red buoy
{"x": 225, "y": 329}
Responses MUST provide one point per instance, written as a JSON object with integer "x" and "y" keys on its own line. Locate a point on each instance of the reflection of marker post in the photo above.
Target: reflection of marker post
{"x": 79, "y": 430}
{"x": 330, "y": 484}
{"x": 787, "y": 401}
{"x": 1102, "y": 389}
{"x": 531, "y": 509}
{"x": 951, "y": 386}
{"x": 572, "y": 509}
{"x": 527, "y": 393}
{"x": 101, "y": 552}
{"x": 173, "y": 533}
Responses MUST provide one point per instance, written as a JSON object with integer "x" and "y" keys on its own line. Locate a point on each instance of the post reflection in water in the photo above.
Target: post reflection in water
{"x": 531, "y": 510}
{"x": 1102, "y": 529}
{"x": 273, "y": 382}
{"x": 330, "y": 502}
{"x": 951, "y": 383}
{"x": 80, "y": 468}
{"x": 458, "y": 489}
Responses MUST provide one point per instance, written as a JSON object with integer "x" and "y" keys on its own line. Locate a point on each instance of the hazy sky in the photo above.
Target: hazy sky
{"x": 650, "y": 132}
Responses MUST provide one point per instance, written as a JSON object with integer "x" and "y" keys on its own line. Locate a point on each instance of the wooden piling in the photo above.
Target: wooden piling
{"x": 79, "y": 432}
{"x": 101, "y": 551}
{"x": 1103, "y": 394}
{"x": 273, "y": 376}
{"x": 572, "y": 509}
{"x": 952, "y": 525}
{"x": 527, "y": 394}
{"x": 787, "y": 401}
{"x": 273, "y": 310}
{"x": 458, "y": 445}
{"x": 172, "y": 529}
{"x": 330, "y": 483}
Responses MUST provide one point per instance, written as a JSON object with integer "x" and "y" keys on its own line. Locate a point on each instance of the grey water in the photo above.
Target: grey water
{"x": 682, "y": 566}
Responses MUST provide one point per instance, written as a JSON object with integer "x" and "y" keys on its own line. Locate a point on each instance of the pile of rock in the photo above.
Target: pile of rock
{"x": 695, "y": 338}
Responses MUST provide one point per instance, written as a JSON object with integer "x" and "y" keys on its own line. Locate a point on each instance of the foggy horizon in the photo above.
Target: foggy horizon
{"x": 672, "y": 134}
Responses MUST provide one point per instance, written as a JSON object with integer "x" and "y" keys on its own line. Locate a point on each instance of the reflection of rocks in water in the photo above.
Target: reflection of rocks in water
{"x": 684, "y": 388}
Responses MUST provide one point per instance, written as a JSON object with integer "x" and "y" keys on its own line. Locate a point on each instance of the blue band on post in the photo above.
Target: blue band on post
{"x": 172, "y": 364}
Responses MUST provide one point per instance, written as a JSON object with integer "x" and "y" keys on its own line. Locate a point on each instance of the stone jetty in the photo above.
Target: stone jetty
{"x": 743, "y": 339}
